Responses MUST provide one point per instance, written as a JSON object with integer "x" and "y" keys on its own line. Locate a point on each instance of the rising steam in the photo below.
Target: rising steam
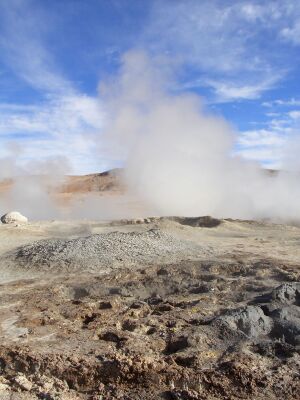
{"x": 179, "y": 157}
{"x": 31, "y": 184}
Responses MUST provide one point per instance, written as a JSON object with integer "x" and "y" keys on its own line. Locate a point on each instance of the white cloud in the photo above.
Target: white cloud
{"x": 292, "y": 34}
{"x": 231, "y": 91}
{"x": 294, "y": 114}
{"x": 267, "y": 157}
{"x": 235, "y": 45}
{"x": 209, "y": 34}
{"x": 66, "y": 121}
{"x": 61, "y": 126}
{"x": 223, "y": 42}
{"x": 219, "y": 37}
{"x": 21, "y": 43}
{"x": 282, "y": 102}
{"x": 252, "y": 12}
{"x": 263, "y": 146}
{"x": 274, "y": 144}
{"x": 260, "y": 137}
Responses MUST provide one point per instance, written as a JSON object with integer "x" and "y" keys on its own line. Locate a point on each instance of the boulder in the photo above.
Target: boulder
{"x": 13, "y": 217}
{"x": 250, "y": 320}
{"x": 23, "y": 382}
{"x": 287, "y": 293}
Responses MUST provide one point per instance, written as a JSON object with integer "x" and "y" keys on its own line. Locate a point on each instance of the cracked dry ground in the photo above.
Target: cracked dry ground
{"x": 193, "y": 330}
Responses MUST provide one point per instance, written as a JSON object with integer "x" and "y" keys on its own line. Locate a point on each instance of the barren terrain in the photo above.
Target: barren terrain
{"x": 156, "y": 308}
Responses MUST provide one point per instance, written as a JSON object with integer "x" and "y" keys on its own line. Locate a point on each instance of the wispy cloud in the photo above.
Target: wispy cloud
{"x": 21, "y": 42}
{"x": 270, "y": 145}
{"x": 236, "y": 46}
{"x": 282, "y": 102}
{"x": 61, "y": 126}
{"x": 65, "y": 121}
{"x": 263, "y": 146}
{"x": 295, "y": 114}
{"x": 231, "y": 91}
{"x": 231, "y": 50}
{"x": 260, "y": 137}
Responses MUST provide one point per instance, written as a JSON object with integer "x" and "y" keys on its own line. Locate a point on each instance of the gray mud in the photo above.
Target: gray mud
{"x": 100, "y": 252}
{"x": 182, "y": 312}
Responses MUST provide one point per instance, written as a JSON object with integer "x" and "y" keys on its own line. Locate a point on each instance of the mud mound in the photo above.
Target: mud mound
{"x": 196, "y": 222}
{"x": 103, "y": 251}
{"x": 200, "y": 222}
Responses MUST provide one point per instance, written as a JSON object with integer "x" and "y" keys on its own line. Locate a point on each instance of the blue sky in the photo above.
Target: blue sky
{"x": 242, "y": 57}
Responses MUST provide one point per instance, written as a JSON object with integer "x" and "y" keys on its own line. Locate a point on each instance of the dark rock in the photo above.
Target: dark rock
{"x": 249, "y": 320}
{"x": 288, "y": 293}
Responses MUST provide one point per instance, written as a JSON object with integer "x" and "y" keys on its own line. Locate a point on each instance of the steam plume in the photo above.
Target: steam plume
{"x": 31, "y": 184}
{"x": 179, "y": 157}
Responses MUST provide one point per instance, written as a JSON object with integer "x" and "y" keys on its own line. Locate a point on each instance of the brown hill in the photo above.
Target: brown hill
{"x": 107, "y": 181}
{"x": 5, "y": 185}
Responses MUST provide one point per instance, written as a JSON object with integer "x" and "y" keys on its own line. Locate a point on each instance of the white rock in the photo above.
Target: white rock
{"x": 13, "y": 217}
{"x": 3, "y": 387}
{"x": 4, "y": 384}
{"x": 23, "y": 382}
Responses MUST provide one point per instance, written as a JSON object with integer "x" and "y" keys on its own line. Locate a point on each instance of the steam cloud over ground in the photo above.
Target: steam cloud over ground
{"x": 179, "y": 157}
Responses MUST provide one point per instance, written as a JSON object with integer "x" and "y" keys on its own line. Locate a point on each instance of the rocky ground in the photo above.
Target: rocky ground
{"x": 159, "y": 308}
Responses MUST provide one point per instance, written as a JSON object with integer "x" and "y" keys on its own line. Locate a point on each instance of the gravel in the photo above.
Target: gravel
{"x": 101, "y": 251}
